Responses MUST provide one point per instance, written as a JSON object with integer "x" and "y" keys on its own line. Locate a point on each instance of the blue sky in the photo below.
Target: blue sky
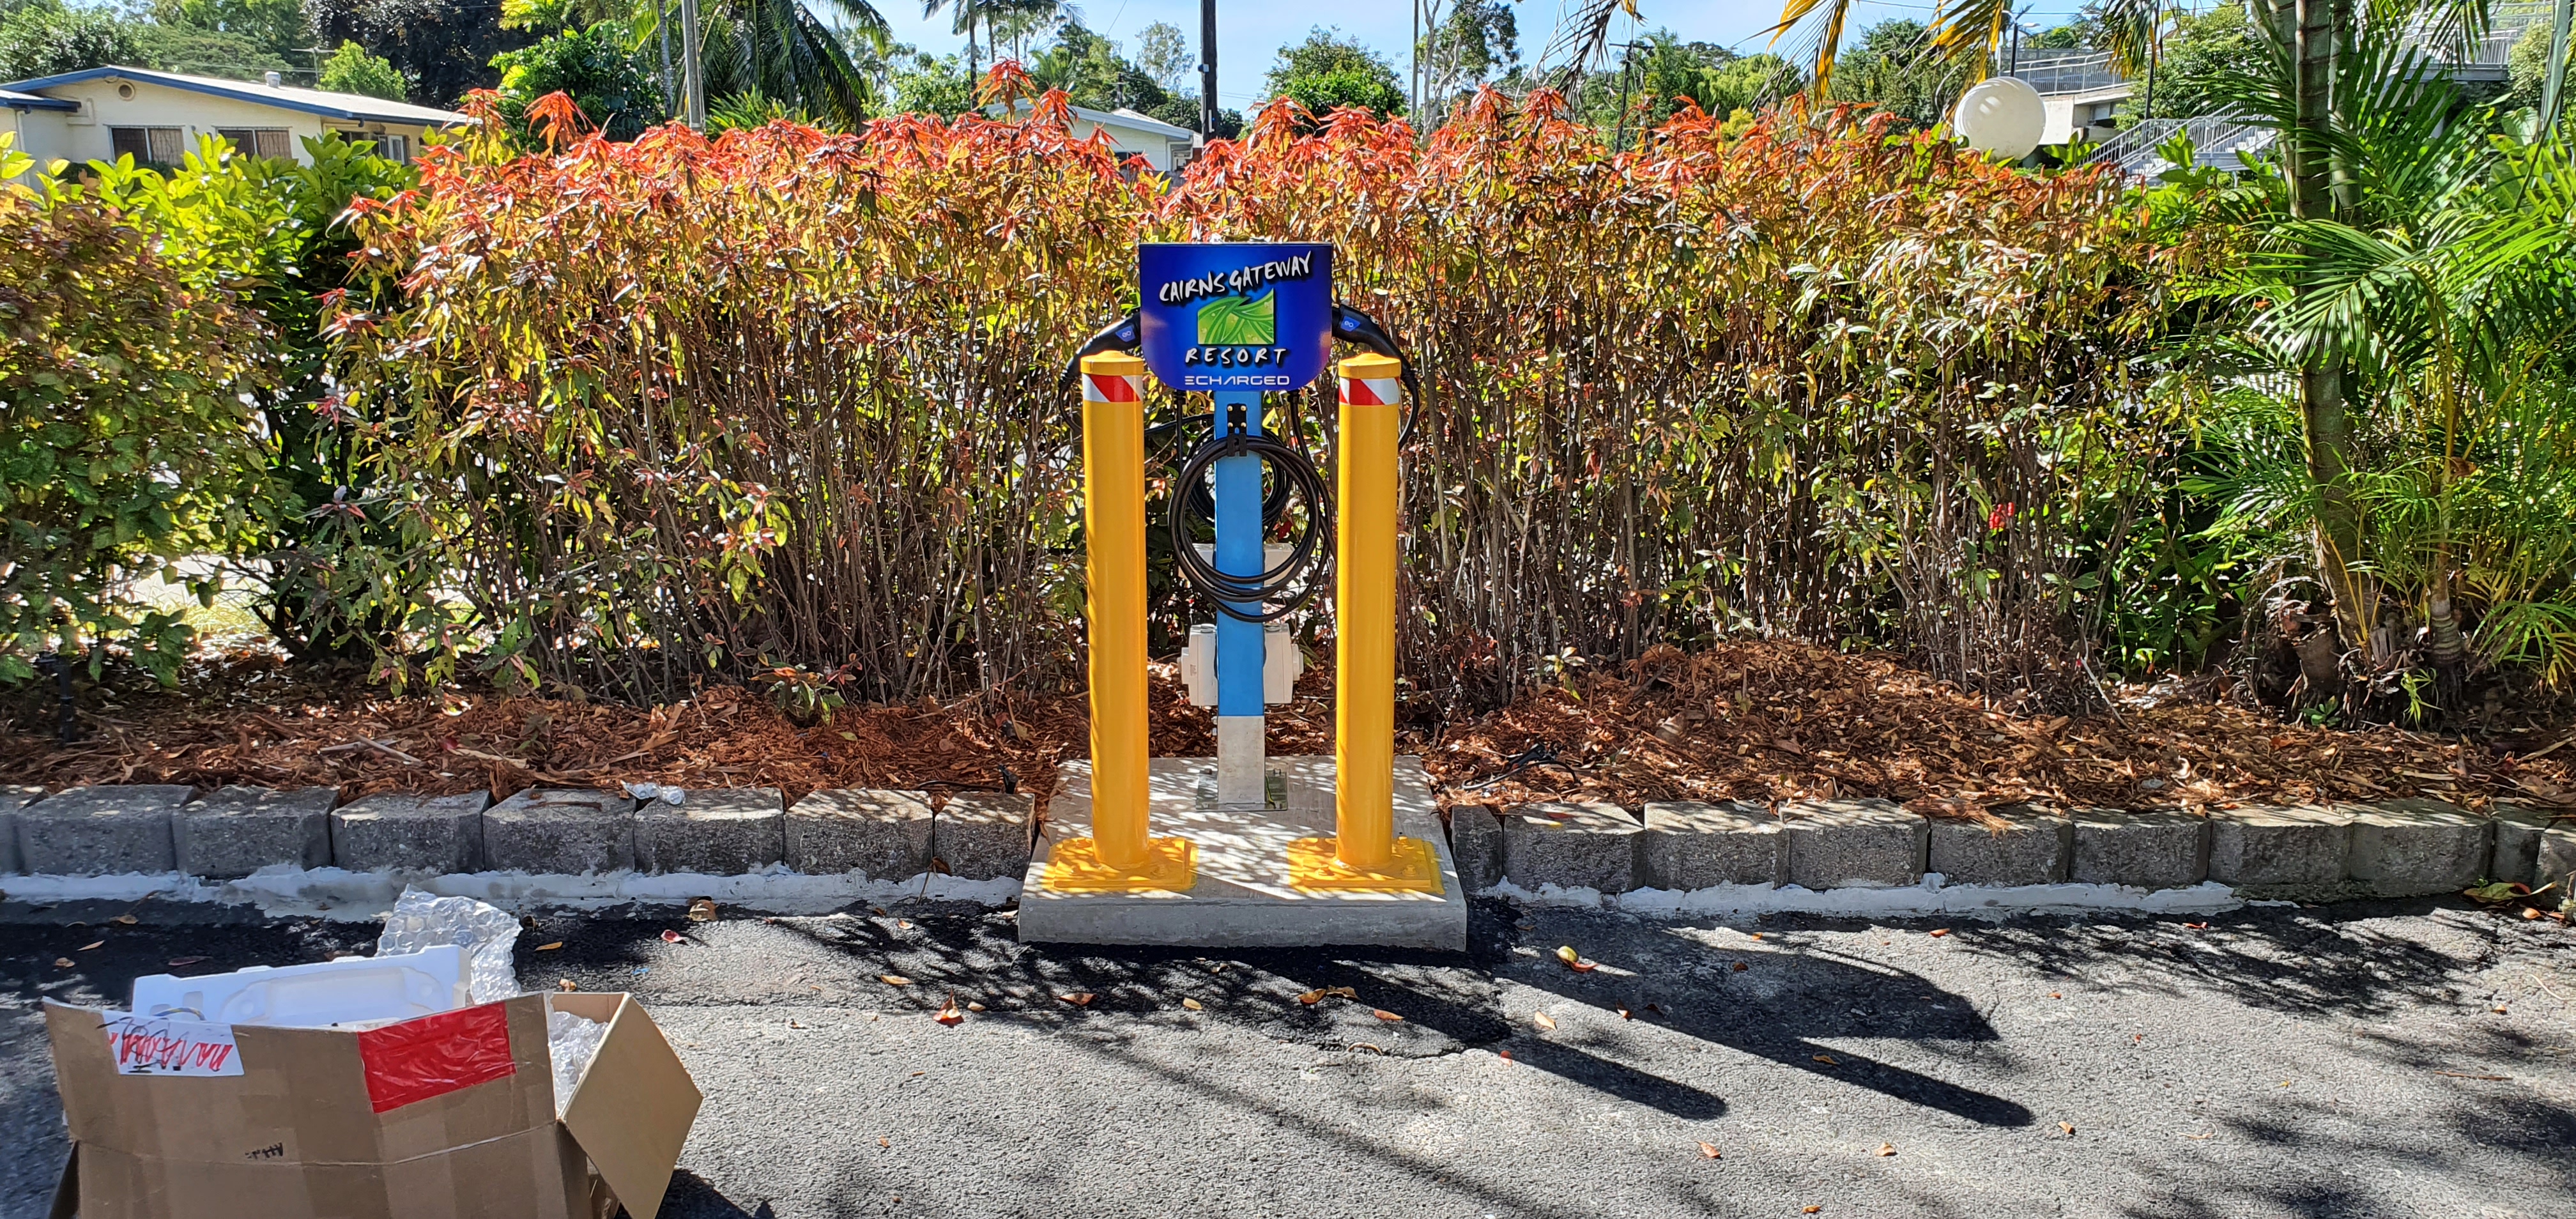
{"x": 1250, "y": 32}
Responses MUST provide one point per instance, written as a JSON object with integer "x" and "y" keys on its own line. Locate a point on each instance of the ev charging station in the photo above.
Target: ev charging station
{"x": 1243, "y": 849}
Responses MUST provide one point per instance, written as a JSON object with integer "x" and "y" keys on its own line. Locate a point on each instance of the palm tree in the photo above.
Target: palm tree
{"x": 777, "y": 51}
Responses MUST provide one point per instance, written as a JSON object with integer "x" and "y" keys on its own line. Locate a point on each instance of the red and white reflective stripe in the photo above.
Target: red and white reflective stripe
{"x": 1372, "y": 391}
{"x": 1111, "y": 387}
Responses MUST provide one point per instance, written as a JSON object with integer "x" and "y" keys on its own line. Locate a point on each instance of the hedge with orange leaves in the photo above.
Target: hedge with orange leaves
{"x": 783, "y": 403}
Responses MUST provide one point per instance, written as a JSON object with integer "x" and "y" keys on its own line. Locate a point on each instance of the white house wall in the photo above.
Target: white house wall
{"x": 83, "y": 137}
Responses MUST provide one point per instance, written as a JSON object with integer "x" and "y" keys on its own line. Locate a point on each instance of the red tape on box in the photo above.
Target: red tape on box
{"x": 435, "y": 1055}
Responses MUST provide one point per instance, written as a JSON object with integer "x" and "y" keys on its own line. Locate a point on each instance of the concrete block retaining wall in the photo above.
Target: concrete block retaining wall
{"x": 2394, "y": 848}
{"x": 2391, "y": 848}
{"x": 237, "y": 831}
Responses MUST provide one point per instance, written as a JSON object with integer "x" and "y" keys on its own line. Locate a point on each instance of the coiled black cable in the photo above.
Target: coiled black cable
{"x": 1295, "y": 473}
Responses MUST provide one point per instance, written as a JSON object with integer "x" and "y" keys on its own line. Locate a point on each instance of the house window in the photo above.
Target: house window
{"x": 147, "y": 145}
{"x": 272, "y": 142}
{"x": 394, "y": 147}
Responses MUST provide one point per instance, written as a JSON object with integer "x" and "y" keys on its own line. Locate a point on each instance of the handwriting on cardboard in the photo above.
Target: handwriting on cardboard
{"x": 157, "y": 1045}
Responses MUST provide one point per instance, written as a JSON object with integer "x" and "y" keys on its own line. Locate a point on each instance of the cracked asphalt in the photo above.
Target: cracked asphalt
{"x": 2331, "y": 1061}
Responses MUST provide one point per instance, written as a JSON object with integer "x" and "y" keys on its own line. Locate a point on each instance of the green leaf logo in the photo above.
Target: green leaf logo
{"x": 1239, "y": 321}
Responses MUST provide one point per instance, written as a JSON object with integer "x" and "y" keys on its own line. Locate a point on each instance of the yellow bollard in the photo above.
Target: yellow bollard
{"x": 1365, "y": 854}
{"x": 1118, "y": 856}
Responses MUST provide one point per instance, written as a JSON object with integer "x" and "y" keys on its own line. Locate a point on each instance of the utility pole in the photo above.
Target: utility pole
{"x": 690, "y": 67}
{"x": 1207, "y": 71}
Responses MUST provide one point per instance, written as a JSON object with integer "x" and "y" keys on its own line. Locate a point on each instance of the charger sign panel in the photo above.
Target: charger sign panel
{"x": 1237, "y": 315}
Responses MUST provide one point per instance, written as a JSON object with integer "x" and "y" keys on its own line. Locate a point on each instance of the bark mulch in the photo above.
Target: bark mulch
{"x": 1756, "y": 720}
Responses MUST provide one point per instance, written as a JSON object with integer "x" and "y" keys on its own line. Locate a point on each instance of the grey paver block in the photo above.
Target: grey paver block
{"x": 1476, "y": 841}
{"x": 236, "y": 831}
{"x": 567, "y": 831}
{"x": 1853, "y": 843}
{"x": 2557, "y": 858}
{"x": 2261, "y": 846}
{"x": 2140, "y": 848}
{"x": 1575, "y": 846}
{"x": 2030, "y": 849}
{"x": 723, "y": 831}
{"x": 405, "y": 832}
{"x": 2409, "y": 847}
{"x": 1690, "y": 844}
{"x": 984, "y": 835}
{"x": 12, "y": 798}
{"x": 101, "y": 831}
{"x": 885, "y": 834}
{"x": 2516, "y": 855}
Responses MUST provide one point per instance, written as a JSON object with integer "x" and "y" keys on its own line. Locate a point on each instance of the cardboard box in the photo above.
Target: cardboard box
{"x": 449, "y": 1116}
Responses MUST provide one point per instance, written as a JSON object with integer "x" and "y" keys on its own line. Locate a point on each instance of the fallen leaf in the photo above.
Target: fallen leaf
{"x": 949, "y": 1015}
{"x": 1194, "y": 1005}
{"x": 974, "y": 1007}
{"x": 2195, "y": 926}
{"x": 1740, "y": 967}
{"x": 62, "y": 962}
{"x": 1886, "y": 1149}
{"x": 1543, "y": 1020}
{"x": 1311, "y": 998}
{"x": 1080, "y": 998}
{"x": 702, "y": 910}
{"x": 1567, "y": 954}
{"x": 123, "y": 919}
{"x": 2195, "y": 1136}
{"x": 1809, "y": 1210}
{"x": 2054, "y": 995}
{"x": 1757, "y": 935}
{"x": 1505, "y": 1055}
{"x": 884, "y": 1143}
{"x": 670, "y": 937}
{"x": 903, "y": 924}
{"x": 1828, "y": 1060}
{"x": 1938, "y": 932}
{"x": 2068, "y": 1127}
{"x": 1585, "y": 967}
{"x": 550, "y": 947}
{"x": 1625, "y": 1014}
{"x": 183, "y": 962}
{"x": 2140, "y": 1039}
{"x": 93, "y": 944}
{"x": 795, "y": 1024}
{"x": 1709, "y": 1150}
{"x": 894, "y": 979}
{"x": 2530, "y": 913}
{"x": 1383, "y": 1014}
{"x": 565, "y": 984}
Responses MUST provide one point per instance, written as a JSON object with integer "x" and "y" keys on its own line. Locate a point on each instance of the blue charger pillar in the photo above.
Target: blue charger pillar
{"x": 1241, "y": 772}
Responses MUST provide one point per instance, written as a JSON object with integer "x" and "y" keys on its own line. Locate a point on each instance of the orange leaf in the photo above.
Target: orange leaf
{"x": 1887, "y": 1149}
{"x": 1709, "y": 1150}
{"x": 894, "y": 979}
{"x": 550, "y": 947}
{"x": 1543, "y": 1020}
{"x": 949, "y": 1015}
{"x": 1938, "y": 932}
{"x": 1080, "y": 998}
{"x": 1828, "y": 1060}
{"x": 1383, "y": 1014}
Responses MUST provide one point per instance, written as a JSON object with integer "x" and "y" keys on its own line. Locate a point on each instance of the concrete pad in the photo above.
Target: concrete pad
{"x": 2516, "y": 855}
{"x": 2410, "y": 847}
{"x": 236, "y": 831}
{"x": 983, "y": 835}
{"x": 1476, "y": 841}
{"x": 2031, "y": 849}
{"x": 1689, "y": 845}
{"x": 2140, "y": 848}
{"x": 2279, "y": 847}
{"x": 722, "y": 831}
{"x": 1585, "y": 845}
{"x": 1242, "y": 898}
{"x": 101, "y": 831}
{"x": 1857, "y": 843}
{"x": 884, "y": 835}
{"x": 405, "y": 832}
{"x": 12, "y": 798}
{"x": 564, "y": 830}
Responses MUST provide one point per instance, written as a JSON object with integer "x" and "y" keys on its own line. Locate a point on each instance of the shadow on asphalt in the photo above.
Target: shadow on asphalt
{"x": 1446, "y": 1002}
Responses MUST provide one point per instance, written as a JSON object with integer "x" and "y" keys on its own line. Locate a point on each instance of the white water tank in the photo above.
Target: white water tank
{"x": 2001, "y": 115}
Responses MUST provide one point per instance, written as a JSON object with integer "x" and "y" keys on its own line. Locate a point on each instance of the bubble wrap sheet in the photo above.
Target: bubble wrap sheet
{"x": 572, "y": 1041}
{"x": 486, "y": 934}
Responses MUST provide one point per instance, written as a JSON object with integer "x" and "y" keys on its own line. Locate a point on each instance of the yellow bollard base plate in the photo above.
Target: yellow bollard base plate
{"x": 1171, "y": 864}
{"x": 1314, "y": 864}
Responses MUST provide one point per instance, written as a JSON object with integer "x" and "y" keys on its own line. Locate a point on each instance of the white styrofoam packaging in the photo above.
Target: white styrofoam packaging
{"x": 346, "y": 991}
